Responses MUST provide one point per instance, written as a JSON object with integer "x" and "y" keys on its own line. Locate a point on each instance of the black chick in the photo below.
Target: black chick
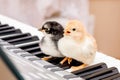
{"x": 53, "y": 31}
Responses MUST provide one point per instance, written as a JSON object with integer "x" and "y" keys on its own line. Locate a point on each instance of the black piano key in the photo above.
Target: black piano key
{"x": 33, "y": 50}
{"x": 37, "y": 53}
{"x": 4, "y": 25}
{"x": 64, "y": 66}
{"x": 40, "y": 54}
{"x": 113, "y": 77}
{"x": 23, "y": 40}
{"x": 56, "y": 61}
{"x": 102, "y": 74}
{"x": 16, "y": 36}
{"x": 29, "y": 45}
{"x": 9, "y": 32}
{"x": 90, "y": 69}
{"x": 6, "y": 28}
{"x": 75, "y": 63}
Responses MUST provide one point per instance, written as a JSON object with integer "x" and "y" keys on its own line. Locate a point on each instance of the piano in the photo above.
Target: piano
{"x": 21, "y": 42}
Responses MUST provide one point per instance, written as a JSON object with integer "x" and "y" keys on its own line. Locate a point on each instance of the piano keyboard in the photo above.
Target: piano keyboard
{"x": 22, "y": 43}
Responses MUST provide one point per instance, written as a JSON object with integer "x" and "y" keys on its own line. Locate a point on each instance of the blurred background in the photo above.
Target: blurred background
{"x": 100, "y": 17}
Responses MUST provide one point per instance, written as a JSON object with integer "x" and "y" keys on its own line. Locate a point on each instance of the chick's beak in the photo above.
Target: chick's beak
{"x": 67, "y": 33}
{"x": 42, "y": 30}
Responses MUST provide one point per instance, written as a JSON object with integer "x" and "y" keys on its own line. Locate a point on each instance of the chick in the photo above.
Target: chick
{"x": 52, "y": 31}
{"x": 77, "y": 44}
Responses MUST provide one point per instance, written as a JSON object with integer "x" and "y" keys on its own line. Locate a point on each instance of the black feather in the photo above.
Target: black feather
{"x": 54, "y": 28}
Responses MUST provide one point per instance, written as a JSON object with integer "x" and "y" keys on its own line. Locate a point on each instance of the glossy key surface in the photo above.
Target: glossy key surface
{"x": 9, "y": 32}
{"x": 102, "y": 74}
{"x": 90, "y": 69}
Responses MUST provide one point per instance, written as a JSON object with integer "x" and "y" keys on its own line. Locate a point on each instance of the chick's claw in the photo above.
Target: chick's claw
{"x": 75, "y": 68}
{"x": 69, "y": 60}
{"x": 47, "y": 58}
{"x": 64, "y": 60}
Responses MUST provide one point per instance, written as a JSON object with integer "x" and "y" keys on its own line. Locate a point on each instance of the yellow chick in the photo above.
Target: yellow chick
{"x": 77, "y": 44}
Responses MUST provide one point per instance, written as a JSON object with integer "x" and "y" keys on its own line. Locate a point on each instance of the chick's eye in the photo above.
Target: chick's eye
{"x": 73, "y": 29}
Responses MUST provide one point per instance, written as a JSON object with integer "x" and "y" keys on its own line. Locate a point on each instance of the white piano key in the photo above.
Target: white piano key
{"x": 11, "y": 47}
{"x": 43, "y": 75}
{"x": 44, "y": 64}
{"x": 24, "y": 55}
{"x": 4, "y": 43}
{"x": 21, "y": 53}
{"x": 34, "y": 75}
{"x": 22, "y": 26}
{"x": 27, "y": 77}
{"x": 52, "y": 77}
{"x": 53, "y": 69}
{"x": 24, "y": 62}
{"x": 16, "y": 50}
{"x": 65, "y": 74}
{"x": 20, "y": 62}
{"x": 68, "y": 70}
{"x": 7, "y": 45}
{"x": 34, "y": 57}
{"x": 77, "y": 78}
